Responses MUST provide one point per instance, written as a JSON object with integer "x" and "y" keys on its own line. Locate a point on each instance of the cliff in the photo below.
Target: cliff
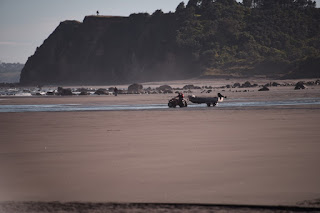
{"x": 106, "y": 49}
{"x": 202, "y": 39}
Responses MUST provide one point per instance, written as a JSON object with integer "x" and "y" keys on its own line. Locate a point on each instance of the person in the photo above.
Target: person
{"x": 115, "y": 91}
{"x": 180, "y": 96}
{"x": 97, "y": 12}
{"x": 221, "y": 96}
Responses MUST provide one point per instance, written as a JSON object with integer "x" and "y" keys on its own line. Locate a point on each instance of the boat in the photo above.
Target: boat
{"x": 210, "y": 101}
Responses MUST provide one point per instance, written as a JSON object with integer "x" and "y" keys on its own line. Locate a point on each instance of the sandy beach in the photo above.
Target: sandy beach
{"x": 242, "y": 155}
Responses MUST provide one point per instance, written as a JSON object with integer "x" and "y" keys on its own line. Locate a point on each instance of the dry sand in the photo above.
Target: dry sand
{"x": 254, "y": 155}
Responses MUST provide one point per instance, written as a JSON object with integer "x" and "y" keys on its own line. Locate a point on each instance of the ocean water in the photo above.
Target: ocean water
{"x": 78, "y": 107}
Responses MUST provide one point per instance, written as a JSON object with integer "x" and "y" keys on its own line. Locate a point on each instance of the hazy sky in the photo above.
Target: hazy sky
{"x": 25, "y": 24}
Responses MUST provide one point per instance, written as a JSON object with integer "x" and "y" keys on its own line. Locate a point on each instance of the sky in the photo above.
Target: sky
{"x": 25, "y": 24}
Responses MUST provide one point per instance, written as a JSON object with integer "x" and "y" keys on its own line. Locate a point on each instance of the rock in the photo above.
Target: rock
{"x": 300, "y": 85}
{"x": 64, "y": 92}
{"x": 246, "y": 84}
{"x": 164, "y": 88}
{"x": 235, "y": 85}
{"x": 275, "y": 84}
{"x": 111, "y": 89}
{"x": 149, "y": 89}
{"x": 310, "y": 83}
{"x": 101, "y": 91}
{"x": 84, "y": 93}
{"x": 188, "y": 91}
{"x": 167, "y": 91}
{"x": 82, "y": 90}
{"x": 190, "y": 86}
{"x": 264, "y": 88}
{"x": 50, "y": 93}
{"x": 135, "y": 88}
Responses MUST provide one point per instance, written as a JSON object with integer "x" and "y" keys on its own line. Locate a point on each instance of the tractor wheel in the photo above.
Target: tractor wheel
{"x": 185, "y": 104}
{"x": 208, "y": 104}
{"x": 171, "y": 104}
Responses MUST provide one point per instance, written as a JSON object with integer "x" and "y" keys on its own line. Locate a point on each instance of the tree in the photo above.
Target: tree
{"x": 301, "y": 3}
{"x": 180, "y": 7}
{"x": 311, "y": 4}
{"x": 157, "y": 13}
{"x": 257, "y": 3}
{"x": 247, "y": 3}
{"x": 226, "y": 2}
{"x": 267, "y": 4}
{"x": 193, "y": 3}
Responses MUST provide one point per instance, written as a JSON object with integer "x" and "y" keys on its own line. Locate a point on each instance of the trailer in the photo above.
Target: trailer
{"x": 210, "y": 101}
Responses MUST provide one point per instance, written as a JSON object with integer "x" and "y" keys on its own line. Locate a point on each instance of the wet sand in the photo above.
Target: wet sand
{"x": 255, "y": 155}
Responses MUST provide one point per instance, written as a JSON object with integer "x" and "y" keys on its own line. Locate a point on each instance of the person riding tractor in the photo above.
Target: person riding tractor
{"x": 180, "y": 97}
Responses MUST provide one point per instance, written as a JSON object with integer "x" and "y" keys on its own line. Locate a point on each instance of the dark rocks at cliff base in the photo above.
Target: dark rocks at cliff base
{"x": 272, "y": 84}
{"x": 49, "y": 93}
{"x": 135, "y": 88}
{"x": 313, "y": 83}
{"x": 236, "y": 85}
{"x": 101, "y": 91}
{"x": 264, "y": 88}
{"x": 300, "y": 85}
{"x": 190, "y": 86}
{"x": 84, "y": 93}
{"x": 275, "y": 84}
{"x": 64, "y": 92}
{"x": 246, "y": 84}
{"x": 164, "y": 87}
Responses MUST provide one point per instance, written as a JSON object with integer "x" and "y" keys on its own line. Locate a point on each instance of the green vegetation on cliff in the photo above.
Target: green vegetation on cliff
{"x": 203, "y": 38}
{"x": 272, "y": 38}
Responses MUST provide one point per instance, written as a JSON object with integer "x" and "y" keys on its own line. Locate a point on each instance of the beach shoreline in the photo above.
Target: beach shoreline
{"x": 264, "y": 155}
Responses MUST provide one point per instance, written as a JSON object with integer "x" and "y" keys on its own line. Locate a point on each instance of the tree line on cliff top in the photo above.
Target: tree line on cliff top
{"x": 255, "y": 37}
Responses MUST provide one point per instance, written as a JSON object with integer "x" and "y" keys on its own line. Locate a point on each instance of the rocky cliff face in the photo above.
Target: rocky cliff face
{"x": 109, "y": 50}
{"x": 203, "y": 38}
